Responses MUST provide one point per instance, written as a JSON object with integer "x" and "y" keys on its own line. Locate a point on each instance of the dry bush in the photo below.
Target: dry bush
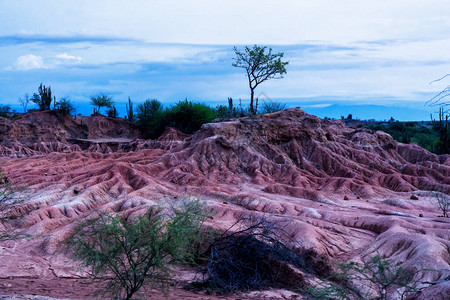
{"x": 252, "y": 255}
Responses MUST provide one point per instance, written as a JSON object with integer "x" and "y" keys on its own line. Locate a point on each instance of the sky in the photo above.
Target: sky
{"x": 374, "y": 58}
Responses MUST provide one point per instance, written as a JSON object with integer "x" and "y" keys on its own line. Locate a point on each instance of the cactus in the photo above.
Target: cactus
{"x": 129, "y": 106}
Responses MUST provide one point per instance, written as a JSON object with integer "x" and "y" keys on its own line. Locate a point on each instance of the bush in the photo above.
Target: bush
{"x": 137, "y": 252}
{"x": 250, "y": 255}
{"x": 443, "y": 203}
{"x": 379, "y": 276}
{"x": 188, "y": 116}
{"x": 112, "y": 112}
{"x": 150, "y": 116}
{"x": 271, "y": 107}
{"x": 65, "y": 107}
{"x": 411, "y": 132}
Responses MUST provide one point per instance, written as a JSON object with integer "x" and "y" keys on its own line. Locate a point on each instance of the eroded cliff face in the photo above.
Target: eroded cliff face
{"x": 46, "y": 132}
{"x": 345, "y": 192}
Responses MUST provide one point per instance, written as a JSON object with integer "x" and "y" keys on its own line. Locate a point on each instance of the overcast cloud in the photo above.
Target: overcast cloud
{"x": 345, "y": 52}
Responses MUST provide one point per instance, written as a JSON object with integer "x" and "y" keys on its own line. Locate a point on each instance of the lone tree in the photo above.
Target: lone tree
{"x": 260, "y": 65}
{"x": 101, "y": 100}
{"x": 24, "y": 102}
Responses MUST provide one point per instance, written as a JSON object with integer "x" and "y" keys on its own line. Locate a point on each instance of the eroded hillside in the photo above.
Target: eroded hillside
{"x": 347, "y": 193}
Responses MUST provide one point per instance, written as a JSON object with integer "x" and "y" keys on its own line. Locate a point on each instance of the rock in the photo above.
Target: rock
{"x": 414, "y": 197}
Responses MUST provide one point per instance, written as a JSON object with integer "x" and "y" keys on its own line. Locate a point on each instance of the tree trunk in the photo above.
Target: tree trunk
{"x": 252, "y": 95}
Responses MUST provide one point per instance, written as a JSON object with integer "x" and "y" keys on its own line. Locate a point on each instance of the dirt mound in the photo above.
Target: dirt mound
{"x": 293, "y": 153}
{"x": 346, "y": 192}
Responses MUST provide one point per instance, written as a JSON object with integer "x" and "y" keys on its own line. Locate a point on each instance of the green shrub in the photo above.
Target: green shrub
{"x": 65, "y": 106}
{"x": 150, "y": 116}
{"x": 412, "y": 132}
{"x": 137, "y": 252}
{"x": 188, "y": 116}
{"x": 379, "y": 278}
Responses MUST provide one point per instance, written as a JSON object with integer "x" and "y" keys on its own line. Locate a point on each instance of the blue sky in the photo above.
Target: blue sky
{"x": 379, "y": 55}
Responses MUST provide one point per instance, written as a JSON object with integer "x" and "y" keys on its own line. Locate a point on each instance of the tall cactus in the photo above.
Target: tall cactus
{"x": 442, "y": 127}
{"x": 129, "y": 106}
{"x": 45, "y": 97}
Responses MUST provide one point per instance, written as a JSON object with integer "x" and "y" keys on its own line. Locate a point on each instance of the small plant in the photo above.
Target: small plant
{"x": 443, "y": 203}
{"x": 140, "y": 251}
{"x": 9, "y": 198}
{"x": 327, "y": 291}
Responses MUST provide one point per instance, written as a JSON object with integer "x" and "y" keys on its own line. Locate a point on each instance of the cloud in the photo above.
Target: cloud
{"x": 66, "y": 58}
{"x": 28, "y": 62}
{"x": 322, "y": 105}
{"x": 18, "y": 39}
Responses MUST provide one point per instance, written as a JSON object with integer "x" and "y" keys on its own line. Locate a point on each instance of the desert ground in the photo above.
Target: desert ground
{"x": 347, "y": 193}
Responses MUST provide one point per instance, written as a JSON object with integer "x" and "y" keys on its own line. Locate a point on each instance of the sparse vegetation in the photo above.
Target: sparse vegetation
{"x": 137, "y": 252}
{"x": 426, "y": 135}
